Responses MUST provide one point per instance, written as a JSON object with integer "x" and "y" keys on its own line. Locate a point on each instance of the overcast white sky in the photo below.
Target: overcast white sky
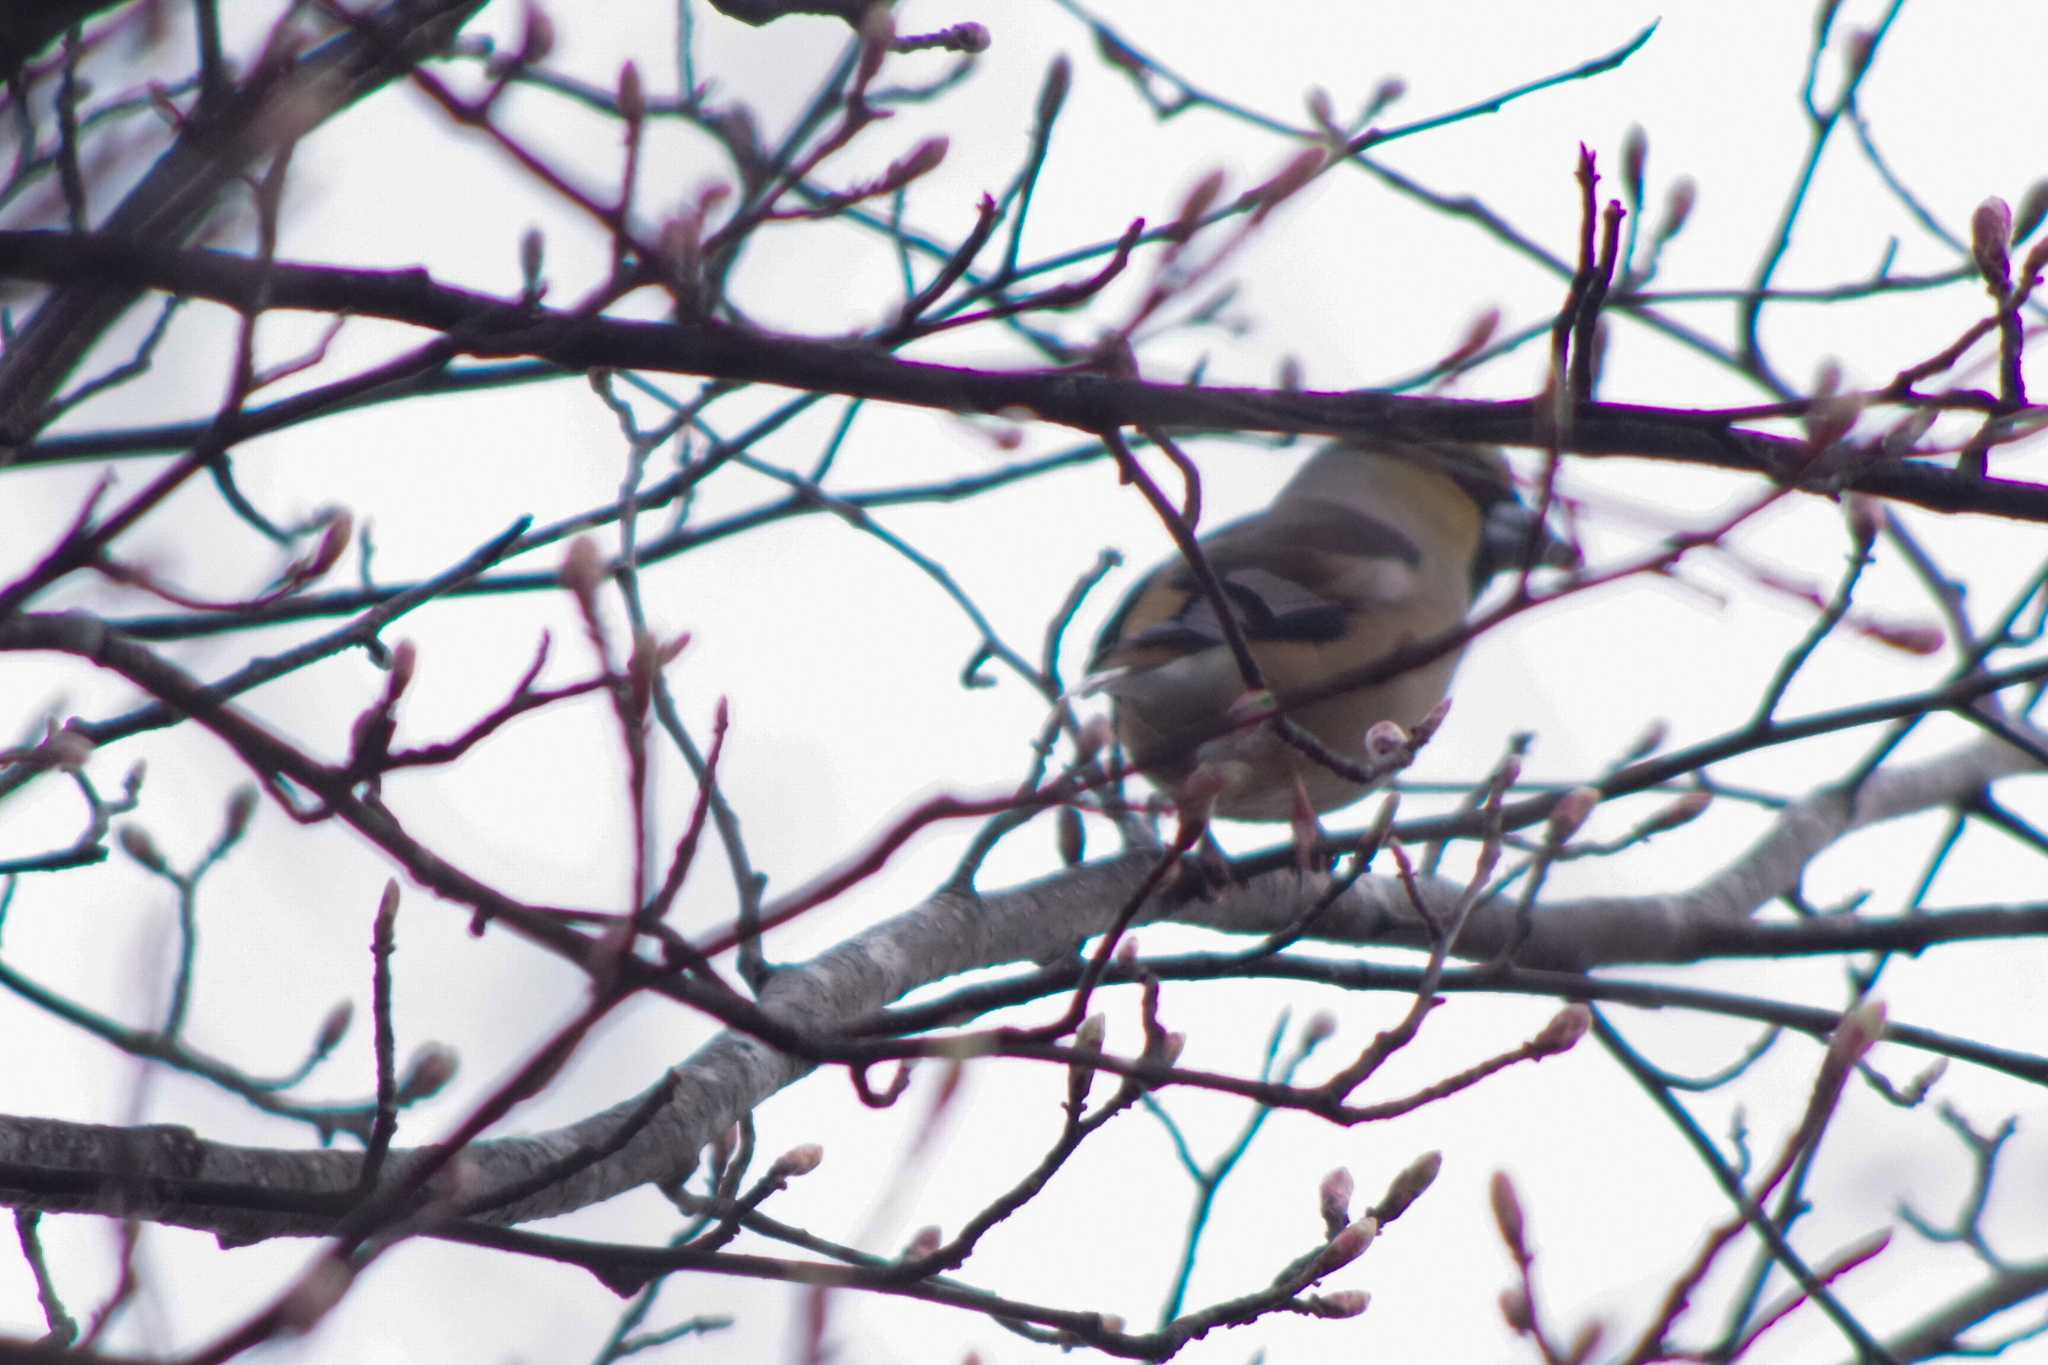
{"x": 840, "y": 661}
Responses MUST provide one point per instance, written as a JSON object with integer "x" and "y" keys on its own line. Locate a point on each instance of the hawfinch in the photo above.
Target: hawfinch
{"x": 1372, "y": 545}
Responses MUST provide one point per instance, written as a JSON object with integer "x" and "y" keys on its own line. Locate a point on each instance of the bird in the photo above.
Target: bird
{"x": 1374, "y": 544}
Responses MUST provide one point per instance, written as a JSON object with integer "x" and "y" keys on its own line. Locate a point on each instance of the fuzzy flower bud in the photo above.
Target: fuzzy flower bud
{"x": 333, "y": 544}
{"x": 1635, "y": 156}
{"x": 333, "y": 1028}
{"x": 1678, "y": 206}
{"x": 533, "y": 249}
{"x": 800, "y": 1160}
{"x": 241, "y": 810}
{"x": 136, "y": 843}
{"x": 69, "y": 749}
{"x": 1991, "y": 244}
{"x": 632, "y": 95}
{"x": 1321, "y": 109}
{"x": 1093, "y": 738}
{"x": 1304, "y": 166}
{"x": 1195, "y": 206}
{"x": 1073, "y": 836}
{"x": 919, "y": 160}
{"x": 1348, "y": 1245}
{"x": 1857, "y": 1033}
{"x": 1334, "y": 1199}
{"x": 431, "y": 1068}
{"x": 537, "y": 39}
{"x": 1059, "y": 79}
{"x": 2033, "y": 208}
{"x": 1384, "y": 740}
{"x": 1408, "y": 1186}
{"x": 1570, "y": 813}
{"x": 1507, "y": 1213}
{"x": 1682, "y": 811}
{"x": 405, "y": 657}
{"x": 1563, "y": 1031}
{"x": 583, "y": 570}
{"x": 1345, "y": 1303}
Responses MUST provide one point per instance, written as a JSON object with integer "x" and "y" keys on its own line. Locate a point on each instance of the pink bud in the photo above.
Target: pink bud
{"x": 1571, "y": 812}
{"x": 920, "y": 160}
{"x": 430, "y": 1069}
{"x": 532, "y": 255}
{"x": 877, "y": 29}
{"x": 241, "y": 810}
{"x": 801, "y": 1160}
{"x": 1563, "y": 1031}
{"x": 1921, "y": 637}
{"x": 1196, "y": 796}
{"x": 1991, "y": 244}
{"x": 1304, "y": 166}
{"x": 1071, "y": 835}
{"x": 1348, "y": 1245}
{"x": 632, "y": 95}
{"x": 1635, "y": 154}
{"x": 1093, "y": 738}
{"x": 1427, "y": 727}
{"x": 1334, "y": 1199}
{"x": 405, "y": 658}
{"x": 69, "y": 749}
{"x": 1408, "y": 1186}
{"x": 1684, "y": 810}
{"x": 136, "y": 843}
{"x": 538, "y": 38}
{"x": 1385, "y": 740}
{"x": 1507, "y": 1213}
{"x": 1858, "y": 1032}
{"x": 1195, "y": 206}
{"x": 1059, "y": 78}
{"x": 334, "y": 1027}
{"x": 1678, "y": 206}
{"x": 583, "y": 570}
{"x": 332, "y": 545}
{"x": 1344, "y": 1303}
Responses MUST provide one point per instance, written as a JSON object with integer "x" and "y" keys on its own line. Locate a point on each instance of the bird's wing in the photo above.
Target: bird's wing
{"x": 1292, "y": 575}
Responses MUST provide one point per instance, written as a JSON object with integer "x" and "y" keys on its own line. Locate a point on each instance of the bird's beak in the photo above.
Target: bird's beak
{"x": 1510, "y": 528}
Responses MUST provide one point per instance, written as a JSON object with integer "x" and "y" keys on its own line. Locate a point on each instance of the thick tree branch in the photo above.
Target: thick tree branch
{"x": 486, "y": 326}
